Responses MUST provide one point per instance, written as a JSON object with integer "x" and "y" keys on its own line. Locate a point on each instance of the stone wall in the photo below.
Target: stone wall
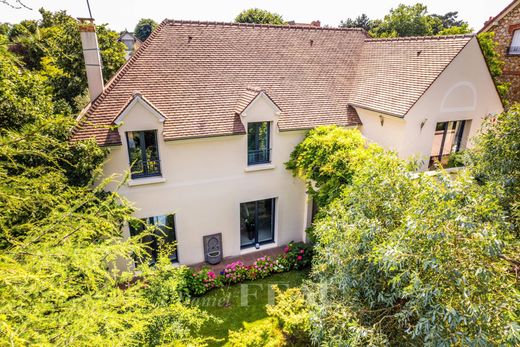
{"x": 503, "y": 35}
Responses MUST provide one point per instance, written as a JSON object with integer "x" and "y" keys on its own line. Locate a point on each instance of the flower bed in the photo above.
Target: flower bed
{"x": 297, "y": 255}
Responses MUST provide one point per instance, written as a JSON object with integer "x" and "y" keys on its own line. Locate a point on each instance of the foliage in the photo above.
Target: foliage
{"x": 495, "y": 160}
{"x": 144, "y": 28}
{"x": 258, "y": 16}
{"x": 327, "y": 159}
{"x": 409, "y": 259}
{"x": 410, "y": 20}
{"x": 227, "y": 304}
{"x": 456, "y": 159}
{"x": 298, "y": 255}
{"x": 262, "y": 333}
{"x": 235, "y": 272}
{"x": 292, "y": 314}
{"x": 261, "y": 268}
{"x": 53, "y": 48}
{"x": 361, "y": 21}
{"x": 494, "y": 61}
{"x": 60, "y": 237}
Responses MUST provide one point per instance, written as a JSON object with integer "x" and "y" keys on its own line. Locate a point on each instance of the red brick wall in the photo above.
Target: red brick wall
{"x": 503, "y": 35}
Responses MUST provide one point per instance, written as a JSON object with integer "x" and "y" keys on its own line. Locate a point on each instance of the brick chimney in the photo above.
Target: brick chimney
{"x": 89, "y": 42}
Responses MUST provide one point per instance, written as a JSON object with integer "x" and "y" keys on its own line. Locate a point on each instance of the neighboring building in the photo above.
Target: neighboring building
{"x": 131, "y": 42}
{"x": 208, "y": 113}
{"x": 506, "y": 26}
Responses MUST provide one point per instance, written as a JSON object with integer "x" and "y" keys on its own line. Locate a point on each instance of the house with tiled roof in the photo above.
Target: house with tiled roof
{"x": 204, "y": 115}
{"x": 506, "y": 26}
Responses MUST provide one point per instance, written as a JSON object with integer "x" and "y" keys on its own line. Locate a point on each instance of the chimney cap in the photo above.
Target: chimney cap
{"x": 86, "y": 24}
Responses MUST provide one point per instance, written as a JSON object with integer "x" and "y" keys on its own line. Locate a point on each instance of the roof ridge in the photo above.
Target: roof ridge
{"x": 419, "y": 38}
{"x": 254, "y": 25}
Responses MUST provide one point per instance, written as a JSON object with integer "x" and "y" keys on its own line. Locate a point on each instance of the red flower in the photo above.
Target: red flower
{"x": 299, "y": 257}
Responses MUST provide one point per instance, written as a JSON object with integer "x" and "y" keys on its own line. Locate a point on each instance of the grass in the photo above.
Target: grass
{"x": 242, "y": 303}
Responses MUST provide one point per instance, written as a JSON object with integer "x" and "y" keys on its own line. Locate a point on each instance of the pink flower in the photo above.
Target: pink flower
{"x": 286, "y": 249}
{"x": 302, "y": 251}
{"x": 299, "y": 257}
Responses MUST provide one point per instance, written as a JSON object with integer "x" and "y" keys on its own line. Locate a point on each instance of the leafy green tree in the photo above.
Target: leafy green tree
{"x": 258, "y": 16}
{"x": 414, "y": 20}
{"x": 144, "y": 28}
{"x": 327, "y": 159}
{"x": 361, "y": 21}
{"x": 495, "y": 160}
{"x": 52, "y": 46}
{"x": 494, "y": 61}
{"x": 60, "y": 238}
{"x": 404, "y": 258}
{"x": 412, "y": 260}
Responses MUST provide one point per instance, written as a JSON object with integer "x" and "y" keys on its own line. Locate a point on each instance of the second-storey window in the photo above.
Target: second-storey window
{"x": 143, "y": 153}
{"x": 258, "y": 143}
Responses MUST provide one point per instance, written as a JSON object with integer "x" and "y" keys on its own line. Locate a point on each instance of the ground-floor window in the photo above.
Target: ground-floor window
{"x": 164, "y": 230}
{"x": 448, "y": 139}
{"x": 257, "y": 222}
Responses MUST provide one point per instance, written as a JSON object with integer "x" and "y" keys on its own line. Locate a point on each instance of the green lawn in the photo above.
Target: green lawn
{"x": 242, "y": 302}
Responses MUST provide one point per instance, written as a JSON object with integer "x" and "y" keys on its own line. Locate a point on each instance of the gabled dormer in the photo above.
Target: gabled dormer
{"x": 140, "y": 126}
{"x": 259, "y": 114}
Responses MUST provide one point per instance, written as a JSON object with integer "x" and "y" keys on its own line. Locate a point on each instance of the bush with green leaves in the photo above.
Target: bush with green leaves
{"x": 495, "y": 160}
{"x": 259, "y": 16}
{"x": 292, "y": 314}
{"x": 298, "y": 255}
{"x": 60, "y": 238}
{"x": 261, "y": 333}
{"x": 327, "y": 159}
{"x": 412, "y": 259}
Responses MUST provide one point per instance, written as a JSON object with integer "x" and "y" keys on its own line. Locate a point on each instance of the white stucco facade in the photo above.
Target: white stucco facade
{"x": 203, "y": 181}
{"x": 464, "y": 91}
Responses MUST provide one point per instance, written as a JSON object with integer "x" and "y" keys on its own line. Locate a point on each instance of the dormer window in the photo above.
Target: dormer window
{"x": 258, "y": 143}
{"x": 143, "y": 153}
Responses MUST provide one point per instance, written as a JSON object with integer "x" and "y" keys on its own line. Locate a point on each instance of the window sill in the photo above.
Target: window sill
{"x": 260, "y": 167}
{"x": 148, "y": 180}
{"x": 263, "y": 247}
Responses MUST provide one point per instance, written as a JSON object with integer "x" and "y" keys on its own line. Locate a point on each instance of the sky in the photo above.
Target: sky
{"x": 124, "y": 14}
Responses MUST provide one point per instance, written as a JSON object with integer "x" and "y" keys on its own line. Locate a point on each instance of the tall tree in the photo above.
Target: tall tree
{"x": 407, "y": 259}
{"x": 53, "y": 47}
{"x": 258, "y": 16}
{"x": 59, "y": 237}
{"x": 361, "y": 21}
{"x": 144, "y": 28}
{"x": 410, "y": 20}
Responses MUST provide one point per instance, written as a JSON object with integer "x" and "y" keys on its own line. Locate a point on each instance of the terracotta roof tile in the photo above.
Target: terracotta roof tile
{"x": 394, "y": 73}
{"x": 198, "y": 75}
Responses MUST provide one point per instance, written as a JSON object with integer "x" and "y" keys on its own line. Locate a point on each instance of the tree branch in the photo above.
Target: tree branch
{"x": 17, "y": 5}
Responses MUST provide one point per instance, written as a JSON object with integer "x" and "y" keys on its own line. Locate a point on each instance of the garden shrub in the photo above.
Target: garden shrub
{"x": 292, "y": 314}
{"x": 201, "y": 281}
{"x": 261, "y": 268}
{"x": 235, "y": 272}
{"x": 298, "y": 255}
{"x": 261, "y": 333}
